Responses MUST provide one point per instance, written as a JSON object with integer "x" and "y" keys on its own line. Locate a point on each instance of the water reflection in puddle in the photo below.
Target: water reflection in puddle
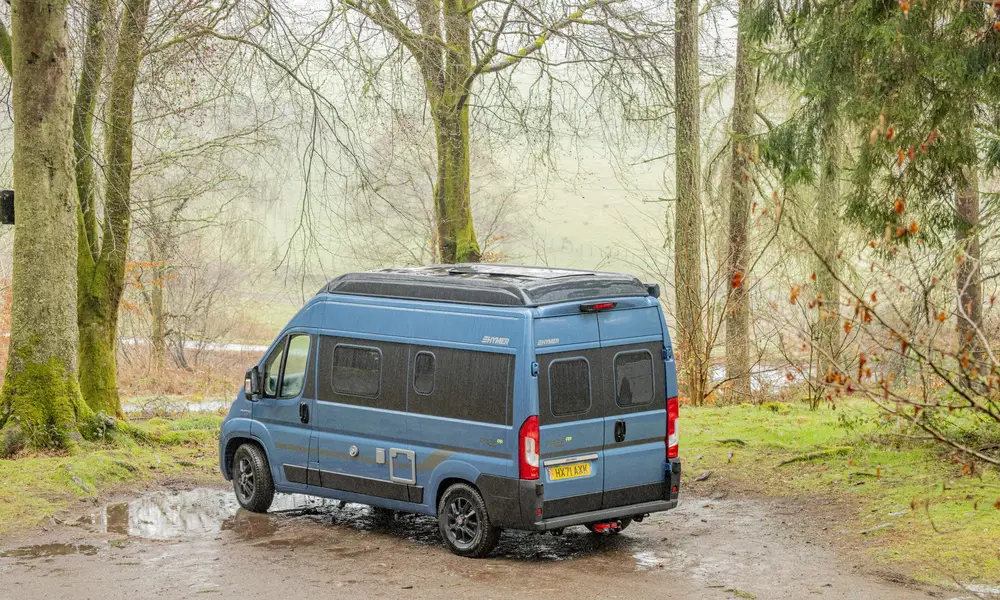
{"x": 196, "y": 513}
{"x": 49, "y": 550}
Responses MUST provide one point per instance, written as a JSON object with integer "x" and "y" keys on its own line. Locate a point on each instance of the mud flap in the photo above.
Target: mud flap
{"x": 672, "y": 476}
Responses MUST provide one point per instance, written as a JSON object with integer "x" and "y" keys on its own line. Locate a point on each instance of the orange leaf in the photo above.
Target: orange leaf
{"x": 891, "y": 133}
{"x": 847, "y": 327}
{"x": 941, "y": 317}
{"x": 899, "y": 157}
{"x": 914, "y": 228}
{"x": 900, "y": 205}
{"x": 794, "y": 295}
{"x": 737, "y": 279}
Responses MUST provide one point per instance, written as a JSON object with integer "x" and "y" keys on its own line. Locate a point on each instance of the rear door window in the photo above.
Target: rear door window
{"x": 633, "y": 378}
{"x": 569, "y": 386}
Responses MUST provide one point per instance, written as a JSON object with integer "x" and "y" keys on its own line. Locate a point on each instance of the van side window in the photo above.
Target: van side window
{"x": 633, "y": 378}
{"x": 569, "y": 386}
{"x": 423, "y": 373}
{"x": 467, "y": 384}
{"x": 294, "y": 375}
{"x": 272, "y": 369}
{"x": 357, "y": 370}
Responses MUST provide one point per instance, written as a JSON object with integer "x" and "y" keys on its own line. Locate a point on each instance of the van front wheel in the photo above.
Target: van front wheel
{"x": 464, "y": 523}
{"x": 252, "y": 479}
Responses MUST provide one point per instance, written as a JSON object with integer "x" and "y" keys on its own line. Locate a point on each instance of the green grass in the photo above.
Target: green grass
{"x": 35, "y": 487}
{"x": 948, "y": 528}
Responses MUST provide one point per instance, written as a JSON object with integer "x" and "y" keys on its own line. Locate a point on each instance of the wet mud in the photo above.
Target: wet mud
{"x": 175, "y": 544}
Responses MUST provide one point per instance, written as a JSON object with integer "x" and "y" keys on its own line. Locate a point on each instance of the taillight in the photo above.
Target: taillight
{"x": 527, "y": 443}
{"x": 673, "y": 411}
{"x": 597, "y": 307}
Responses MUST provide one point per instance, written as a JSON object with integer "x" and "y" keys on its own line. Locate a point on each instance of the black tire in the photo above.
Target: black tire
{"x": 622, "y": 524}
{"x": 252, "y": 478}
{"x": 464, "y": 522}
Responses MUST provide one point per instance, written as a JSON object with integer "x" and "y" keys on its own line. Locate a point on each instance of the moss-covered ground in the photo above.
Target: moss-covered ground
{"x": 35, "y": 487}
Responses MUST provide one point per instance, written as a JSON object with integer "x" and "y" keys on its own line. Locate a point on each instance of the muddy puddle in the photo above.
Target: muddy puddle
{"x": 49, "y": 551}
{"x": 346, "y": 529}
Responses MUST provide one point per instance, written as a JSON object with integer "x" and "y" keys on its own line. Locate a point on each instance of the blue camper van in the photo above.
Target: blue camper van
{"x": 490, "y": 396}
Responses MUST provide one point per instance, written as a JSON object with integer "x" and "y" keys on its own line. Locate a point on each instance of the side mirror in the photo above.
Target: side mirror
{"x": 251, "y": 384}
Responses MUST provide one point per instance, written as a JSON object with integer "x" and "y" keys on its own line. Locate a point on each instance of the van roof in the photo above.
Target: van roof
{"x": 489, "y": 284}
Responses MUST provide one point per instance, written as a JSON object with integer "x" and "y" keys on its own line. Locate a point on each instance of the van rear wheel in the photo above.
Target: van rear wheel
{"x": 252, "y": 478}
{"x": 464, "y": 522}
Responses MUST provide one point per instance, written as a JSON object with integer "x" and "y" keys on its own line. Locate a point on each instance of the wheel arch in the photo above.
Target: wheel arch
{"x": 230, "y": 452}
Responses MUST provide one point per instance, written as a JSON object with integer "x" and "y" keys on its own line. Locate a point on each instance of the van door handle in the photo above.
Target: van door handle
{"x": 304, "y": 412}
{"x": 620, "y": 430}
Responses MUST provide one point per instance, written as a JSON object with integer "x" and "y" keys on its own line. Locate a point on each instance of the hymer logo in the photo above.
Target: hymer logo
{"x": 489, "y": 339}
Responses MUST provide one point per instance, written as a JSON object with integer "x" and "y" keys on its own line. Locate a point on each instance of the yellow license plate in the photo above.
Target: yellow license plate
{"x": 569, "y": 471}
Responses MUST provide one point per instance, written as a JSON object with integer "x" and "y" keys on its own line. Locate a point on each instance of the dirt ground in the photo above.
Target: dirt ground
{"x": 195, "y": 542}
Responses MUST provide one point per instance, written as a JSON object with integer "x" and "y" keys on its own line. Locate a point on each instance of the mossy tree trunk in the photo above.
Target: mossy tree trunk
{"x": 827, "y": 240}
{"x": 102, "y": 276}
{"x": 740, "y": 194}
{"x": 87, "y": 91}
{"x": 41, "y": 397}
{"x": 687, "y": 237}
{"x": 442, "y": 48}
{"x": 448, "y": 95}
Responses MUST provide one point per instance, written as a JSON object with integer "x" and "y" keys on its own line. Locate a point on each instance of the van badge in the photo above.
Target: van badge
{"x": 501, "y": 341}
{"x": 548, "y": 342}
{"x": 353, "y": 451}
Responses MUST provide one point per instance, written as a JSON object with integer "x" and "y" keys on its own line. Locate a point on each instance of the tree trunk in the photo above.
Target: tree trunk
{"x": 157, "y": 310}
{"x": 968, "y": 282}
{"x": 687, "y": 238}
{"x": 452, "y": 199}
{"x": 83, "y": 120}
{"x": 102, "y": 281}
{"x": 827, "y": 241}
{"x": 740, "y": 194}
{"x": 40, "y": 400}
{"x": 456, "y": 233}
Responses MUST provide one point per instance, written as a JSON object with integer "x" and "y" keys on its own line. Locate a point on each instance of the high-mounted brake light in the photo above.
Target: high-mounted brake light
{"x": 673, "y": 411}
{"x": 527, "y": 444}
{"x": 597, "y": 306}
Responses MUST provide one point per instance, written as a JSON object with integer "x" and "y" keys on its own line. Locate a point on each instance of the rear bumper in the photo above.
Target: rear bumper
{"x": 521, "y": 504}
{"x": 670, "y": 492}
{"x": 607, "y": 514}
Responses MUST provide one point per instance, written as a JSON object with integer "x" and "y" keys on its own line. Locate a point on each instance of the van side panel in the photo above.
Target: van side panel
{"x": 383, "y": 443}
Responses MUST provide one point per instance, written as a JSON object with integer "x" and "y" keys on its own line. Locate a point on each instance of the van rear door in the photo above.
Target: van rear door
{"x": 635, "y": 421}
{"x": 570, "y": 413}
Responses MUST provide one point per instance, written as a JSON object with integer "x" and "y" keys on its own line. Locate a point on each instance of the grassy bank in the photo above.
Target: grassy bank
{"x": 36, "y": 487}
{"x": 918, "y": 505}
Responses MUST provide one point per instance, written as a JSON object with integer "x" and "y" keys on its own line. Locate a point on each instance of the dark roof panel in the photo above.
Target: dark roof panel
{"x": 488, "y": 284}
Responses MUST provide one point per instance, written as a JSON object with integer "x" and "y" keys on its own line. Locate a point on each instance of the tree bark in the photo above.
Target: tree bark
{"x": 157, "y": 309}
{"x": 740, "y": 194}
{"x": 969, "y": 292}
{"x": 456, "y": 234}
{"x": 102, "y": 281}
{"x": 83, "y": 120}
{"x": 40, "y": 403}
{"x": 827, "y": 243}
{"x": 687, "y": 238}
